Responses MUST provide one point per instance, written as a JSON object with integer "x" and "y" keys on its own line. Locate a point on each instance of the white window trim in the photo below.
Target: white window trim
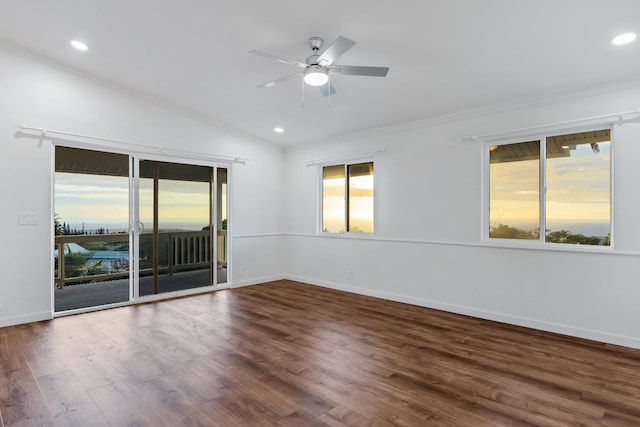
{"x": 541, "y": 243}
{"x": 319, "y": 177}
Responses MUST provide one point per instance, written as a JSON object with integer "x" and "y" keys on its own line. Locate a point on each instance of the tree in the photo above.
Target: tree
{"x": 74, "y": 264}
{"x": 560, "y": 236}
{"x": 581, "y": 239}
{"x": 96, "y": 268}
{"x": 564, "y": 236}
{"x": 96, "y": 246}
{"x": 503, "y": 231}
{"x": 58, "y": 227}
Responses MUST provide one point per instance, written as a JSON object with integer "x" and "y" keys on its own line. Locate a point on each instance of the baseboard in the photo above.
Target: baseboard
{"x": 28, "y": 318}
{"x": 569, "y": 330}
{"x": 256, "y": 281}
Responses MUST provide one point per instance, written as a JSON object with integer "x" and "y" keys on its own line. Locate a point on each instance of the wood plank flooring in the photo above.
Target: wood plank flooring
{"x": 291, "y": 354}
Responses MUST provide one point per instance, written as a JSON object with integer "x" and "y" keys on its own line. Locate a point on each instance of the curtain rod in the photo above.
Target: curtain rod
{"x": 44, "y": 132}
{"x": 516, "y": 132}
{"x": 342, "y": 158}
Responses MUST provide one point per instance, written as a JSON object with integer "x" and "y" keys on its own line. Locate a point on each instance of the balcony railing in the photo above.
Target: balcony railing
{"x": 179, "y": 251}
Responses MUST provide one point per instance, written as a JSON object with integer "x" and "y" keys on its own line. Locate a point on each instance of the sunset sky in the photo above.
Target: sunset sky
{"x": 360, "y": 208}
{"x": 104, "y": 201}
{"x": 578, "y": 191}
{"x": 91, "y": 199}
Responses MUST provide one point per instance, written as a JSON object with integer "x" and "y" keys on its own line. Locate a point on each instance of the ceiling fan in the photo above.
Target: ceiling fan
{"x": 317, "y": 68}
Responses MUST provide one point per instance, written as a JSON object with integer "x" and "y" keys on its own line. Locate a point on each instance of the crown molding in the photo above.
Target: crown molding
{"x": 516, "y": 104}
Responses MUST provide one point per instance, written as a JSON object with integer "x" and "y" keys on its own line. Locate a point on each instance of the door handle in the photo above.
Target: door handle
{"x": 140, "y": 227}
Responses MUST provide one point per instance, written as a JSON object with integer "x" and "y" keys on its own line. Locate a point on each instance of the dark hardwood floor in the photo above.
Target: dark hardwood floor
{"x": 290, "y": 354}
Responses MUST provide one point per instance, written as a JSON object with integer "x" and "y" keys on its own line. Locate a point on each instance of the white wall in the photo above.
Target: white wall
{"x": 39, "y": 94}
{"x": 427, "y": 248}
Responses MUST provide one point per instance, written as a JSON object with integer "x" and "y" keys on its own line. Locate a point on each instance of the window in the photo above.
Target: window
{"x": 558, "y": 183}
{"x": 347, "y": 198}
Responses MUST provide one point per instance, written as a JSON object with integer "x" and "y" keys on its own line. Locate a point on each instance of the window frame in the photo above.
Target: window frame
{"x": 541, "y": 242}
{"x": 320, "y": 210}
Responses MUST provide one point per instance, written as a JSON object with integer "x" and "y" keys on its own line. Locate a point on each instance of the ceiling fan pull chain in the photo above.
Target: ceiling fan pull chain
{"x": 302, "y": 93}
{"x": 329, "y": 86}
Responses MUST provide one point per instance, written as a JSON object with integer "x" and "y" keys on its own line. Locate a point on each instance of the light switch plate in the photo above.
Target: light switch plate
{"x": 29, "y": 218}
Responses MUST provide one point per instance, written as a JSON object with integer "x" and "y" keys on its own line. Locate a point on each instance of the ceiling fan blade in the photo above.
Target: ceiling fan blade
{"x": 327, "y": 89}
{"x": 354, "y": 70}
{"x": 281, "y": 79}
{"x": 335, "y": 51}
{"x": 275, "y": 58}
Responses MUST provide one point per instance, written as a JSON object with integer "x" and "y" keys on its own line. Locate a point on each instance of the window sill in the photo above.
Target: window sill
{"x": 366, "y": 236}
{"x": 543, "y": 246}
{"x": 517, "y": 245}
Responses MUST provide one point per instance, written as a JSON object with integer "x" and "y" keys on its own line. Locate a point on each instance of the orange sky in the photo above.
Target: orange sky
{"x": 578, "y": 189}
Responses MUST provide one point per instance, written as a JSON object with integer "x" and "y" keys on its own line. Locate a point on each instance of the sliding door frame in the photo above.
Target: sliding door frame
{"x": 135, "y": 227}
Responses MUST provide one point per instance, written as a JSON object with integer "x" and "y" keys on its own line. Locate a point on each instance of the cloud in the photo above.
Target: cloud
{"x": 101, "y": 199}
{"x": 578, "y": 187}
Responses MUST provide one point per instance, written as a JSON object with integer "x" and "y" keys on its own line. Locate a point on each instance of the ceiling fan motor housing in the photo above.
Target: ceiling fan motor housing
{"x": 315, "y": 43}
{"x": 312, "y": 60}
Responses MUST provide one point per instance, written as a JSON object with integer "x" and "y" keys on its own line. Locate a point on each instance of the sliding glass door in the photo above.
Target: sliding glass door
{"x": 92, "y": 242}
{"x": 128, "y": 228}
{"x": 175, "y": 227}
{"x": 222, "y": 223}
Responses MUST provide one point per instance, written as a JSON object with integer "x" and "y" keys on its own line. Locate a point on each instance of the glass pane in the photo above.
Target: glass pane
{"x": 91, "y": 205}
{"x": 222, "y": 225}
{"x": 361, "y": 198}
{"x": 333, "y": 199}
{"x": 175, "y": 208}
{"x": 514, "y": 182}
{"x": 578, "y": 198}
{"x": 146, "y": 241}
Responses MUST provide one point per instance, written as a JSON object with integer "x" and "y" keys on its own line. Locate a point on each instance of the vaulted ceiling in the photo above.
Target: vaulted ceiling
{"x": 444, "y": 56}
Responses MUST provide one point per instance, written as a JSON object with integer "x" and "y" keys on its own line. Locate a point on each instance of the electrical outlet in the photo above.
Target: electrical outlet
{"x": 241, "y": 271}
{"x": 349, "y": 274}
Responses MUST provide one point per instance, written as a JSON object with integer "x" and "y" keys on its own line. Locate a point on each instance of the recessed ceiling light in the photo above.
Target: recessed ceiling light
{"x": 278, "y": 129}
{"x": 624, "y": 38}
{"x": 79, "y": 45}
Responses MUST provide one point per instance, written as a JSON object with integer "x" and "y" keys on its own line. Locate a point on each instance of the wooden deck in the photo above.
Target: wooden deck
{"x": 290, "y": 354}
{"x": 73, "y": 297}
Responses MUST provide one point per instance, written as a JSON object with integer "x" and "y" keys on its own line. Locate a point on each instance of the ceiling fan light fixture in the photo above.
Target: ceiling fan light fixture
{"x": 316, "y": 75}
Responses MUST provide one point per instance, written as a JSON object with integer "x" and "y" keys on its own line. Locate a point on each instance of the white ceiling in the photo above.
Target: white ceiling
{"x": 445, "y": 56}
